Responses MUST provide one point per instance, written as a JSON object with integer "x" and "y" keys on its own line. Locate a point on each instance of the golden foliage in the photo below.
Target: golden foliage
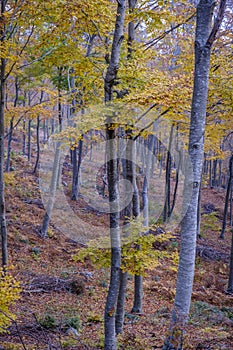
{"x": 10, "y": 292}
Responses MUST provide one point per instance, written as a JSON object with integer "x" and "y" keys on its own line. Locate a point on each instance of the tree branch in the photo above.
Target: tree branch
{"x": 20, "y": 53}
{"x": 147, "y": 111}
{"x": 151, "y": 123}
{"x": 166, "y": 32}
{"x": 217, "y": 22}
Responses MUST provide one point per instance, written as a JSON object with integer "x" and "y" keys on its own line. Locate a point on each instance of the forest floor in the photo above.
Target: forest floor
{"x": 62, "y": 301}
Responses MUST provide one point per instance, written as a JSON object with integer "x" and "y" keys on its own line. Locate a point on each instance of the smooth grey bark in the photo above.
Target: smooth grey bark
{"x": 210, "y": 173}
{"x": 56, "y": 174}
{"x": 24, "y": 146}
{"x": 45, "y": 130}
{"x": 112, "y": 175}
{"x": 176, "y": 184}
{"x": 52, "y": 191}
{"x": 24, "y": 138}
{"x": 38, "y": 138}
{"x": 167, "y": 204}
{"x": 73, "y": 153}
{"x": 220, "y": 173}
{"x": 153, "y": 158}
{"x": 138, "y": 294}
{"x": 52, "y": 122}
{"x": 205, "y": 165}
{"x": 60, "y": 117}
{"x": 29, "y": 139}
{"x": 76, "y": 170}
{"x": 115, "y": 53}
{"x": 231, "y": 205}
{"x": 113, "y": 291}
{"x": 146, "y": 180}
{"x": 214, "y": 179}
{"x": 10, "y": 132}
{"x": 29, "y": 131}
{"x": 131, "y": 29}
{"x": 77, "y": 162}
{"x": 37, "y": 144}
{"x": 59, "y": 88}
{"x": 2, "y": 120}
{"x": 204, "y": 38}
{"x": 128, "y": 176}
{"x": 9, "y": 139}
{"x": 199, "y": 213}
{"x": 129, "y": 173}
{"x": 229, "y": 184}
{"x": 120, "y": 311}
{"x": 230, "y": 280}
{"x": 138, "y": 279}
{"x": 132, "y": 209}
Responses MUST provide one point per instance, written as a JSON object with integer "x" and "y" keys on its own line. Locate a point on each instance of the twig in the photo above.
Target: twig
{"x": 17, "y": 329}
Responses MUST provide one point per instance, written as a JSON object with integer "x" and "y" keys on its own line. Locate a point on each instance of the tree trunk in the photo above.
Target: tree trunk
{"x": 9, "y": 139}
{"x": 2, "y": 128}
{"x": 112, "y": 297}
{"x": 203, "y": 41}
{"x": 38, "y": 138}
{"x": 199, "y": 213}
{"x": 220, "y": 174}
{"x": 231, "y": 205}
{"x": 210, "y": 173}
{"x": 76, "y": 170}
{"x": 176, "y": 184}
{"x": 112, "y": 173}
{"x": 214, "y": 180}
{"x": 224, "y": 222}
{"x": 138, "y": 280}
{"x": 146, "y": 180}
{"x": 52, "y": 122}
{"x": 153, "y": 158}
{"x": 29, "y": 139}
{"x": 24, "y": 138}
{"x": 37, "y": 144}
{"x": 10, "y": 132}
{"x": 230, "y": 280}
{"x": 52, "y": 191}
{"x": 138, "y": 294}
{"x": 45, "y": 130}
{"x": 167, "y": 204}
{"x": 120, "y": 312}
{"x": 77, "y": 164}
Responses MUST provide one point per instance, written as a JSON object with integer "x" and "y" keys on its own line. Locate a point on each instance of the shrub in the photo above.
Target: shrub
{"x": 10, "y": 292}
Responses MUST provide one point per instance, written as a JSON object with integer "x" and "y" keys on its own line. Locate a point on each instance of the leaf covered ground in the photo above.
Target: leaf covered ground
{"x": 62, "y": 301}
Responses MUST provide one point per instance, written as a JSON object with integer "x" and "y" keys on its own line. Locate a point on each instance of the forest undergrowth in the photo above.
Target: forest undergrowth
{"x": 62, "y": 301}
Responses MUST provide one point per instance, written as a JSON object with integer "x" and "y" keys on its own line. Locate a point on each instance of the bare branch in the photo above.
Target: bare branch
{"x": 217, "y": 22}
{"x": 37, "y": 59}
{"x": 151, "y": 123}
{"x": 147, "y": 111}
{"x": 20, "y": 53}
{"x": 166, "y": 32}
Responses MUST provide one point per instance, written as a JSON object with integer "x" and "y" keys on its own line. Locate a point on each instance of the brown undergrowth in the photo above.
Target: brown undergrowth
{"x": 62, "y": 303}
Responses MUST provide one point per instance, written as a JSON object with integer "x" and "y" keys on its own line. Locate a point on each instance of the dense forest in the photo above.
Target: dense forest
{"x": 116, "y": 175}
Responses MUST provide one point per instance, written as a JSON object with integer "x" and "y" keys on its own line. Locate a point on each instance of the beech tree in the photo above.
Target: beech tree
{"x": 228, "y": 192}
{"x": 112, "y": 174}
{"x": 204, "y": 38}
{"x": 2, "y": 107}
